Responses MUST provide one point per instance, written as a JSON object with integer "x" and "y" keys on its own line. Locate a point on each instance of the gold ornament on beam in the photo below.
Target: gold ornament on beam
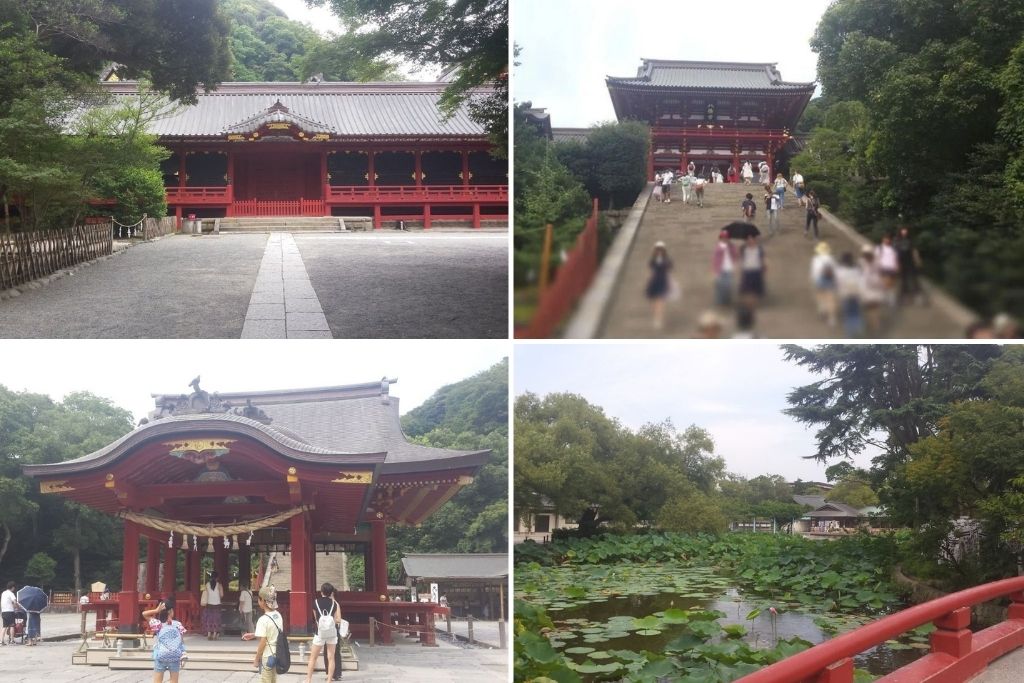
{"x": 353, "y": 478}
{"x": 54, "y": 487}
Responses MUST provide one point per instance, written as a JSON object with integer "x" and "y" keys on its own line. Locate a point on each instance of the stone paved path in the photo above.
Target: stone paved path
{"x": 283, "y": 303}
{"x": 690, "y": 234}
{"x": 373, "y": 285}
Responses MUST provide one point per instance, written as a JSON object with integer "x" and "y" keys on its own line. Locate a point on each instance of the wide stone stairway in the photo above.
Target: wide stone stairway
{"x": 788, "y": 309}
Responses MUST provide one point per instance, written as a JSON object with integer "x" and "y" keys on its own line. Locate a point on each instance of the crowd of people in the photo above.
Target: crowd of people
{"x": 858, "y": 291}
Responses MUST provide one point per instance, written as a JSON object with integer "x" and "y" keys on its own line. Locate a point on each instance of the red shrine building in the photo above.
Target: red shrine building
{"x": 242, "y": 478}
{"x": 713, "y": 114}
{"x": 380, "y": 150}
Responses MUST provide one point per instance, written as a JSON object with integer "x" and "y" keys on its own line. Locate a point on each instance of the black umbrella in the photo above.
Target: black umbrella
{"x": 33, "y": 599}
{"x": 739, "y": 230}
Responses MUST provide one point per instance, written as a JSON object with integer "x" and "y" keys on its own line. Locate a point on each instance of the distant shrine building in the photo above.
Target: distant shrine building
{"x": 713, "y": 114}
{"x": 271, "y": 487}
{"x": 380, "y": 150}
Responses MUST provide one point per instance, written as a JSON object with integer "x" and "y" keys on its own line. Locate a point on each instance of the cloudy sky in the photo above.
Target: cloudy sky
{"x": 320, "y": 18}
{"x": 127, "y": 372}
{"x": 735, "y": 391}
{"x": 570, "y": 46}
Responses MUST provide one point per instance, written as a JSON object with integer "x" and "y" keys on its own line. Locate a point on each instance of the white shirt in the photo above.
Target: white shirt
{"x": 818, "y": 265}
{"x": 797, "y": 179}
{"x": 847, "y": 282}
{"x": 773, "y": 202}
{"x": 667, "y": 178}
{"x": 213, "y": 594}
{"x": 780, "y": 183}
{"x": 265, "y": 628}
{"x": 887, "y": 257}
{"x": 244, "y": 601}
{"x": 7, "y": 601}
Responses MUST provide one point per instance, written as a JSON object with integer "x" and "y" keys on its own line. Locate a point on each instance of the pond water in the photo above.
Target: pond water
{"x": 789, "y": 622}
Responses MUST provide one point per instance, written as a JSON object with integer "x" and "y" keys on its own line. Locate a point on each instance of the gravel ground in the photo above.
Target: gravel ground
{"x": 394, "y": 285}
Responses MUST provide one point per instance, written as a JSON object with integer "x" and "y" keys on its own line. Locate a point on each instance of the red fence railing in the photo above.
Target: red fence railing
{"x": 283, "y": 207}
{"x": 956, "y": 654}
{"x": 571, "y": 281}
{"x": 445, "y": 194}
{"x": 198, "y": 195}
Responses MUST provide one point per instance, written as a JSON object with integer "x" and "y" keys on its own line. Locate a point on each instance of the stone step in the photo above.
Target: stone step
{"x": 224, "y": 660}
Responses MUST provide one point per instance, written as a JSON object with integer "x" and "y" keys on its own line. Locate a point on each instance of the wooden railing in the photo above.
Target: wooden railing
{"x": 25, "y": 256}
{"x": 198, "y": 195}
{"x": 956, "y": 654}
{"x": 571, "y": 281}
{"x": 275, "y": 207}
{"x": 445, "y": 194}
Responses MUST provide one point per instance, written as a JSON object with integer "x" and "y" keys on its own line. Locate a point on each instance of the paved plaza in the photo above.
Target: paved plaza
{"x": 366, "y": 285}
{"x": 406, "y": 661}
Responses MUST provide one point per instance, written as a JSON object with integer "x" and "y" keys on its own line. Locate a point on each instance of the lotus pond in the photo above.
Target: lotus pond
{"x": 698, "y": 608}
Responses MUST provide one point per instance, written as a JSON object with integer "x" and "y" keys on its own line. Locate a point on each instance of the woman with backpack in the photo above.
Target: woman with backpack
{"x": 169, "y": 651}
{"x": 328, "y": 616}
{"x": 212, "y": 595}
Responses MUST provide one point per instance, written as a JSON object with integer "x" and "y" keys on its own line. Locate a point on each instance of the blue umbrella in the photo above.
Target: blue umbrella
{"x": 33, "y": 599}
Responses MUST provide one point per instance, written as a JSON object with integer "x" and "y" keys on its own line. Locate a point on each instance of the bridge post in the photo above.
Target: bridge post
{"x": 838, "y": 672}
{"x": 953, "y": 636}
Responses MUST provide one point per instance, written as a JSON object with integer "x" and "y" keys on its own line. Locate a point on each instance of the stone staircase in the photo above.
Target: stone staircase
{"x": 788, "y": 310}
{"x": 206, "y": 656}
{"x": 293, "y": 224}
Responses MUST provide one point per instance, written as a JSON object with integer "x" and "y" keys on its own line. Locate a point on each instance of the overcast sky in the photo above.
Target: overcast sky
{"x": 735, "y": 391}
{"x": 320, "y": 18}
{"x": 570, "y": 46}
{"x": 127, "y": 372}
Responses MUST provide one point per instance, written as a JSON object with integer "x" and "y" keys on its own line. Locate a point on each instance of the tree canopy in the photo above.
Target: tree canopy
{"x": 467, "y": 38}
{"x": 467, "y": 415}
{"x": 920, "y": 123}
{"x": 947, "y": 422}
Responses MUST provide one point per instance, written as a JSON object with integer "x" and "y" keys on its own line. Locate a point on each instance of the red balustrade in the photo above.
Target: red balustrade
{"x": 435, "y": 194}
{"x": 275, "y": 207}
{"x": 956, "y": 654}
{"x": 198, "y": 195}
{"x": 571, "y": 281}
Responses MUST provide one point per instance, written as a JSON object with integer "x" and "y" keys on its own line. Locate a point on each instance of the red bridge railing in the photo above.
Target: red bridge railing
{"x": 956, "y": 653}
{"x": 437, "y": 194}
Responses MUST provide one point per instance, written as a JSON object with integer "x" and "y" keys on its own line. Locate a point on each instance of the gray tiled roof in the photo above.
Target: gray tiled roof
{"x": 570, "y": 134}
{"x": 664, "y": 73}
{"x": 456, "y": 566}
{"x": 344, "y": 109}
{"x": 813, "y": 501}
{"x": 836, "y": 510}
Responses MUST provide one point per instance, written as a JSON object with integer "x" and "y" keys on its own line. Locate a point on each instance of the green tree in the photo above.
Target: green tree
{"x": 853, "y": 492}
{"x": 468, "y": 38}
{"x": 41, "y": 569}
{"x": 611, "y": 163}
{"x": 145, "y": 37}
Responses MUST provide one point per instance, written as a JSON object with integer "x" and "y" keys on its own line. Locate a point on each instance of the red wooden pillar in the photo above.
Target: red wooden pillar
{"x": 299, "y": 599}
{"x": 170, "y": 580}
{"x": 736, "y": 161}
{"x": 476, "y": 216}
{"x": 371, "y": 173}
{"x": 426, "y": 216}
{"x": 418, "y": 167}
{"x": 128, "y": 598}
{"x": 379, "y": 551}
{"x": 152, "y": 564}
{"x": 231, "y": 184}
{"x": 182, "y": 173}
{"x": 367, "y": 570}
{"x": 465, "y": 168}
{"x": 220, "y": 560}
{"x": 324, "y": 181}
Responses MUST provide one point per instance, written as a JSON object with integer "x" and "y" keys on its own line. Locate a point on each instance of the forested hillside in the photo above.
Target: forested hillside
{"x": 470, "y": 414}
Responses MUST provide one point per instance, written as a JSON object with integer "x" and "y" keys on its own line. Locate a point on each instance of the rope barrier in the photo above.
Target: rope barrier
{"x": 131, "y": 228}
{"x": 211, "y": 530}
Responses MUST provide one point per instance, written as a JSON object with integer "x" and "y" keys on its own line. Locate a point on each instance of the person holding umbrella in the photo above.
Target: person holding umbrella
{"x": 33, "y": 600}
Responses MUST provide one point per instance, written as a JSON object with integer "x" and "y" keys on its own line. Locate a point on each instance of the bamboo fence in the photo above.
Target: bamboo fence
{"x": 26, "y": 256}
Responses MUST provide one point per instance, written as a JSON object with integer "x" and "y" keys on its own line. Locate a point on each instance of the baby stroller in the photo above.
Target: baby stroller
{"x": 20, "y": 620}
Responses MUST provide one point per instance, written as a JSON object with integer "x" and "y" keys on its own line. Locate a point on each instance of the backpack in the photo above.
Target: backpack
{"x": 281, "y": 660}
{"x": 325, "y": 627}
{"x": 169, "y": 645}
